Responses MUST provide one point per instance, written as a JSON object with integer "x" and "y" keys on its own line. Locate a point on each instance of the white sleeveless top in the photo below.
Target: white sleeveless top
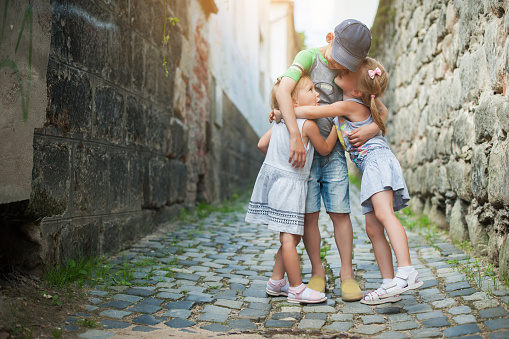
{"x": 279, "y": 150}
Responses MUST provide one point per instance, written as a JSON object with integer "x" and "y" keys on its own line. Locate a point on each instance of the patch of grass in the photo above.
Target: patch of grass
{"x": 56, "y": 332}
{"x": 72, "y": 272}
{"x": 88, "y": 322}
{"x": 354, "y": 180}
{"x": 324, "y": 250}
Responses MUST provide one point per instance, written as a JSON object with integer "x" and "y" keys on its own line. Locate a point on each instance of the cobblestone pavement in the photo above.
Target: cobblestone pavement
{"x": 219, "y": 281}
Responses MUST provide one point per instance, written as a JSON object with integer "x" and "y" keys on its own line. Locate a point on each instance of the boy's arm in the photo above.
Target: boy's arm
{"x": 284, "y": 99}
{"x": 362, "y": 134}
{"x": 263, "y": 144}
{"x": 322, "y": 146}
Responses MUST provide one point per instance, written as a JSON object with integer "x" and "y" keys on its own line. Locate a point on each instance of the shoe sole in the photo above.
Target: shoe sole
{"x": 276, "y": 294}
{"x": 403, "y": 290}
{"x": 297, "y": 301}
{"x": 392, "y": 299}
{"x": 352, "y": 297}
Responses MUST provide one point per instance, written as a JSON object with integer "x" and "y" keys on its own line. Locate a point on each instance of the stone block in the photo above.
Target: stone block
{"x": 109, "y": 111}
{"x": 91, "y": 180}
{"x": 51, "y": 178}
{"x": 159, "y": 171}
{"x": 178, "y": 139}
{"x": 477, "y": 234}
{"x": 136, "y": 120}
{"x": 87, "y": 36}
{"x": 120, "y": 56}
{"x": 138, "y": 73}
{"x": 457, "y": 222}
{"x": 504, "y": 258}
{"x": 494, "y": 41}
{"x": 70, "y": 97}
{"x": 479, "y": 174}
{"x": 498, "y": 172}
{"x": 80, "y": 237}
{"x": 458, "y": 174}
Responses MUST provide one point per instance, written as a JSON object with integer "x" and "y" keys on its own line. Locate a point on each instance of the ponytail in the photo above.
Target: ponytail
{"x": 375, "y": 113}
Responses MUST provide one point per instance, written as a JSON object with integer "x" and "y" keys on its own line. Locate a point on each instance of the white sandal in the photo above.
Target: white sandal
{"x": 374, "y": 298}
{"x": 393, "y": 288}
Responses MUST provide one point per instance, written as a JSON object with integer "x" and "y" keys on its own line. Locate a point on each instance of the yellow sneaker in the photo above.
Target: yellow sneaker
{"x": 350, "y": 290}
{"x": 317, "y": 283}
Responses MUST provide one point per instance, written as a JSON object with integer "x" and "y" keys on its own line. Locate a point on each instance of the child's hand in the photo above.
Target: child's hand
{"x": 275, "y": 115}
{"x": 359, "y": 136}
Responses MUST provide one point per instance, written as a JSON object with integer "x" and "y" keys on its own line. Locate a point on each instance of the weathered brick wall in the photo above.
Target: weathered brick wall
{"x": 124, "y": 148}
{"x": 448, "y": 64}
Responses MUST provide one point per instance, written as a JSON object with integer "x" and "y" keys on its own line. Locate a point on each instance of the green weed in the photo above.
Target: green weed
{"x": 56, "y": 332}
{"x": 354, "y": 180}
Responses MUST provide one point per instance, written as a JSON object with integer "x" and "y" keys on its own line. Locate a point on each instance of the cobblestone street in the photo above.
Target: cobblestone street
{"x": 219, "y": 286}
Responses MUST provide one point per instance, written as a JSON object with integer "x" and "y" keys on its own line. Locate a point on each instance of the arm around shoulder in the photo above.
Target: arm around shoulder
{"x": 322, "y": 146}
{"x": 263, "y": 144}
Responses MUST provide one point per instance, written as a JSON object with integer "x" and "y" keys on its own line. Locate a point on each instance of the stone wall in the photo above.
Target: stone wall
{"x": 123, "y": 148}
{"x": 449, "y": 113}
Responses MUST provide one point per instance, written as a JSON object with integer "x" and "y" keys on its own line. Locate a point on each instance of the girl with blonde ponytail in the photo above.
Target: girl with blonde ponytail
{"x": 383, "y": 188}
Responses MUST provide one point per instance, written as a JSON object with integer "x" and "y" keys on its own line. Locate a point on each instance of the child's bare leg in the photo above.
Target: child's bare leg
{"x": 343, "y": 234}
{"x": 383, "y": 255}
{"x": 312, "y": 240}
{"x": 278, "y": 272}
{"x": 384, "y": 212}
{"x": 290, "y": 257}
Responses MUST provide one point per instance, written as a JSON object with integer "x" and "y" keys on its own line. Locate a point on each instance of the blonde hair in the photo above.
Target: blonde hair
{"x": 300, "y": 84}
{"x": 373, "y": 88}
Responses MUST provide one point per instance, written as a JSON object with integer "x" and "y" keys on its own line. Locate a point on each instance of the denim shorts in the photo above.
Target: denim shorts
{"x": 328, "y": 180}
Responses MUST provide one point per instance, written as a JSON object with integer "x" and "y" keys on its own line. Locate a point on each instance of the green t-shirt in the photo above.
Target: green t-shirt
{"x": 303, "y": 62}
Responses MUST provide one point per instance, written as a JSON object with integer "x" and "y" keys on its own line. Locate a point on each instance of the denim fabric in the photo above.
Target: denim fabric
{"x": 328, "y": 180}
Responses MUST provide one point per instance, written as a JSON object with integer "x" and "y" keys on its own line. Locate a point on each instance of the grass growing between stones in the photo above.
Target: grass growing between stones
{"x": 483, "y": 274}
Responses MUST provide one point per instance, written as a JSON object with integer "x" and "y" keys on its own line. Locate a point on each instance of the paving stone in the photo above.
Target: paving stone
{"x": 252, "y": 314}
{"x": 179, "y": 323}
{"x": 98, "y": 293}
{"x": 497, "y": 324}
{"x": 419, "y": 308}
{"x": 262, "y": 307}
{"x": 216, "y": 328}
{"x": 295, "y": 316}
{"x": 339, "y": 326}
{"x": 500, "y": 335}
{"x": 461, "y": 330}
{"x": 404, "y": 325}
{"x": 229, "y": 303}
{"x": 151, "y": 301}
{"x": 477, "y": 296}
{"x": 493, "y": 313}
{"x": 113, "y": 324}
{"x": 457, "y": 286}
{"x": 144, "y": 329}
{"x": 216, "y": 309}
{"x": 431, "y": 294}
{"x": 369, "y": 329}
{"x": 96, "y": 334}
{"x": 278, "y": 324}
{"x": 395, "y": 318}
{"x": 435, "y": 322}
{"x": 429, "y": 315}
{"x": 464, "y": 319}
{"x": 116, "y": 304}
{"x": 142, "y": 308}
{"x": 127, "y": 297}
{"x": 141, "y": 292}
{"x": 317, "y": 316}
{"x": 357, "y": 308}
{"x": 388, "y": 310}
{"x": 392, "y": 335}
{"x": 426, "y": 333}
{"x": 147, "y": 319}
{"x": 185, "y": 305}
{"x": 169, "y": 295}
{"x": 372, "y": 319}
{"x": 241, "y": 324}
{"x": 199, "y": 298}
{"x": 178, "y": 313}
{"x": 257, "y": 300}
{"x": 311, "y": 324}
{"x": 319, "y": 309}
{"x": 445, "y": 303}
{"x": 484, "y": 304}
{"x": 429, "y": 283}
{"x": 187, "y": 276}
{"x": 341, "y": 317}
{"x": 465, "y": 292}
{"x": 114, "y": 314}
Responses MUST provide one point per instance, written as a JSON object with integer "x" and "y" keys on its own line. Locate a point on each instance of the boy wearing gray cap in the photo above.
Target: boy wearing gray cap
{"x": 346, "y": 48}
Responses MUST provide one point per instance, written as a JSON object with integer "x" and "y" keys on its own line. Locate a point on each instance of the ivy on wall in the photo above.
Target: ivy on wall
{"x": 166, "y": 37}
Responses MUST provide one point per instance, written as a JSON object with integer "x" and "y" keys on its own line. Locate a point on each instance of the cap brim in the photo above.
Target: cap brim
{"x": 344, "y": 58}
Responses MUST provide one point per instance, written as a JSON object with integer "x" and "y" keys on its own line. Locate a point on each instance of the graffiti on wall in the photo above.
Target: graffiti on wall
{"x": 24, "y": 84}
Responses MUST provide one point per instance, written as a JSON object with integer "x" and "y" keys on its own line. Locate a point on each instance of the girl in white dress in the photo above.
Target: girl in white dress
{"x": 279, "y": 194}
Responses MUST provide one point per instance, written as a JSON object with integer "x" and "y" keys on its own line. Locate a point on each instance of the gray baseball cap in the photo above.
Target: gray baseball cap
{"x": 352, "y": 40}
